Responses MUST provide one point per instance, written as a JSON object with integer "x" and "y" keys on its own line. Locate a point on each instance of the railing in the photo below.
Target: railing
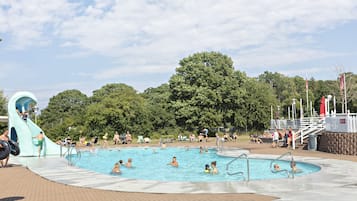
{"x": 240, "y": 173}
{"x": 220, "y": 144}
{"x": 273, "y": 170}
{"x": 312, "y": 125}
{"x": 61, "y": 150}
{"x": 69, "y": 155}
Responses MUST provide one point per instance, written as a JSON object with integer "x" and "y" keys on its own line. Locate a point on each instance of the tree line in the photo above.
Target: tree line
{"x": 204, "y": 92}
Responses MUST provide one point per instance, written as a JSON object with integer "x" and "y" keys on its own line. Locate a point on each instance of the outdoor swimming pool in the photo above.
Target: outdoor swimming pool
{"x": 151, "y": 164}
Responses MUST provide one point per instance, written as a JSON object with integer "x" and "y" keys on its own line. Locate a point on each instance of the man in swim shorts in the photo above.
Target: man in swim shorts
{"x": 40, "y": 139}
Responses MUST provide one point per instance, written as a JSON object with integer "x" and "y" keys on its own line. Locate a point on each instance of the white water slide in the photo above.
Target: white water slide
{"x": 24, "y": 132}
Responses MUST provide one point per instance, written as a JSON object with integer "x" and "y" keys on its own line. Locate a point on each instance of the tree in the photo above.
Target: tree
{"x": 259, "y": 97}
{"x": 161, "y": 114}
{"x": 64, "y": 115}
{"x": 205, "y": 91}
{"x": 284, "y": 87}
{"x": 117, "y": 107}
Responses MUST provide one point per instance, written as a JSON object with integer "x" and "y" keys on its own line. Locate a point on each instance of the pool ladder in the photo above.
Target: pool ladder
{"x": 71, "y": 158}
{"x": 283, "y": 170}
{"x": 239, "y": 173}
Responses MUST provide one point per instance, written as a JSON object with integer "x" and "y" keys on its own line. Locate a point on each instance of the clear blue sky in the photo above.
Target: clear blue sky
{"x": 49, "y": 46}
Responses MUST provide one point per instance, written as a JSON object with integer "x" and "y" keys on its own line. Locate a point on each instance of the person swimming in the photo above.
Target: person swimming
{"x": 174, "y": 162}
{"x": 207, "y": 169}
{"x": 116, "y": 169}
{"x": 276, "y": 167}
{"x": 129, "y": 163}
{"x": 294, "y": 168}
{"x": 214, "y": 167}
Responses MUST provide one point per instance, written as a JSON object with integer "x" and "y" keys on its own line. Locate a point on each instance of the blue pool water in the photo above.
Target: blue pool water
{"x": 151, "y": 164}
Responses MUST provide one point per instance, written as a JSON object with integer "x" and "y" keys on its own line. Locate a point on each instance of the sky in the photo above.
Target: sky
{"x": 49, "y": 46}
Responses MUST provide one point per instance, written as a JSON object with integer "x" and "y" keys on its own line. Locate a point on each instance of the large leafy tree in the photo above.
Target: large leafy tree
{"x": 284, "y": 87}
{"x": 64, "y": 115}
{"x": 205, "y": 91}
{"x": 259, "y": 98}
{"x": 161, "y": 114}
{"x": 117, "y": 107}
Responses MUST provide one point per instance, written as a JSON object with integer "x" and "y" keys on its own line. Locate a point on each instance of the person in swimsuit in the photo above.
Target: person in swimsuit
{"x": 40, "y": 137}
{"x": 207, "y": 169}
{"x": 129, "y": 163}
{"x": 5, "y": 137}
{"x": 214, "y": 169}
{"x": 116, "y": 169}
{"x": 174, "y": 162}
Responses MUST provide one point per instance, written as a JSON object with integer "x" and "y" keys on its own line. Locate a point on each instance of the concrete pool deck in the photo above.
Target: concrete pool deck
{"x": 337, "y": 179}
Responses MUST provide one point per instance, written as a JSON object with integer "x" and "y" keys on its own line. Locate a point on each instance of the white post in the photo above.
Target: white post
{"x": 334, "y": 106}
{"x": 301, "y": 109}
{"x": 311, "y": 108}
{"x": 301, "y": 137}
{"x": 289, "y": 113}
{"x": 344, "y": 87}
{"x": 326, "y": 109}
{"x": 293, "y": 138}
{"x": 307, "y": 97}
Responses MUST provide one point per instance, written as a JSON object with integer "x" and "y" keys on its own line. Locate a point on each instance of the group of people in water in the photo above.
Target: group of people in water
{"x": 208, "y": 169}
{"x": 174, "y": 163}
{"x": 117, "y": 165}
{"x": 293, "y": 167}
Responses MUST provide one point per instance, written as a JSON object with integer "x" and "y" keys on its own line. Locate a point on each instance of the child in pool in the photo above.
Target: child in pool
{"x": 214, "y": 167}
{"x": 116, "y": 169}
{"x": 207, "y": 169}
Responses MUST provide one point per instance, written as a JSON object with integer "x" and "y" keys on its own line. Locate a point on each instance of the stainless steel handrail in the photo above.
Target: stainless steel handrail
{"x": 220, "y": 145}
{"x": 283, "y": 170}
{"x": 70, "y": 155}
{"x": 241, "y": 173}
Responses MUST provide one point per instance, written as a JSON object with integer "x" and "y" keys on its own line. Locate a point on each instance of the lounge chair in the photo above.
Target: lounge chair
{"x": 147, "y": 140}
{"x": 140, "y": 139}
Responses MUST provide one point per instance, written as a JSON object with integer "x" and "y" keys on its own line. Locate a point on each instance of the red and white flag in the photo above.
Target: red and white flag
{"x": 307, "y": 84}
{"x": 342, "y": 81}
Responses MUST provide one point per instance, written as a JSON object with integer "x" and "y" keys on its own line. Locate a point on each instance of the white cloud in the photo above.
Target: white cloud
{"x": 131, "y": 70}
{"x": 166, "y": 30}
{"x": 150, "y": 34}
{"x": 29, "y": 22}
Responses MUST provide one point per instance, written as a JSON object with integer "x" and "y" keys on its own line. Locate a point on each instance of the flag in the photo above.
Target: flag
{"x": 342, "y": 81}
{"x": 322, "y": 107}
{"x": 307, "y": 84}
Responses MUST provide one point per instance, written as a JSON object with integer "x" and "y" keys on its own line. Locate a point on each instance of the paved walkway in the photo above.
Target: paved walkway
{"x": 336, "y": 181}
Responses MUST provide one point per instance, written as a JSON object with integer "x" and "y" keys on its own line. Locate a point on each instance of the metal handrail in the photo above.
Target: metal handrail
{"x": 70, "y": 159}
{"x": 69, "y": 154}
{"x": 241, "y": 173}
{"x": 66, "y": 152}
{"x": 220, "y": 145}
{"x": 283, "y": 170}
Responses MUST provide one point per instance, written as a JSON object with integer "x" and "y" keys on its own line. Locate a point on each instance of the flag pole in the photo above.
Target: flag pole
{"x": 344, "y": 87}
{"x": 307, "y": 96}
